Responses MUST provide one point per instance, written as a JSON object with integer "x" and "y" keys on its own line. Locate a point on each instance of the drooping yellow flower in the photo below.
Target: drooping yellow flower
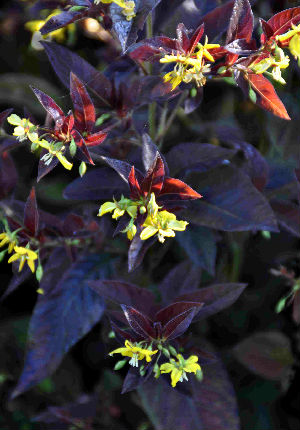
{"x": 128, "y": 7}
{"x": 8, "y": 239}
{"x": 58, "y": 35}
{"x": 180, "y": 368}
{"x": 294, "y": 47}
{"x": 164, "y": 224}
{"x": 135, "y": 352}
{"x": 55, "y": 149}
{"x": 289, "y": 34}
{"x": 24, "y": 255}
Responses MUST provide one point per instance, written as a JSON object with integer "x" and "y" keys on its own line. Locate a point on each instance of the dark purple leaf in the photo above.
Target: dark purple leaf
{"x": 257, "y": 167}
{"x": 288, "y": 215}
{"x": 175, "y": 309}
{"x": 16, "y": 280}
{"x": 200, "y": 245}
{"x": 133, "y": 378}
{"x": 50, "y": 106}
{"x": 139, "y": 322}
{"x": 137, "y": 251}
{"x": 31, "y": 213}
{"x": 242, "y": 47}
{"x": 121, "y": 167}
{"x": 97, "y": 184}
{"x": 127, "y": 31}
{"x": 61, "y": 317}
{"x": 216, "y": 21}
{"x": 241, "y": 22}
{"x": 179, "y": 324}
{"x": 65, "y": 61}
{"x": 181, "y": 279}
{"x": 215, "y": 298}
{"x": 43, "y": 168}
{"x": 3, "y": 115}
{"x": 154, "y": 179}
{"x": 192, "y": 103}
{"x": 186, "y": 155}
{"x": 230, "y": 202}
{"x": 8, "y": 174}
{"x": 124, "y": 293}
{"x": 211, "y": 405}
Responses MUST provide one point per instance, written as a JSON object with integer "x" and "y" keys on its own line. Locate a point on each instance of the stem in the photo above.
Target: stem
{"x": 171, "y": 118}
{"x": 152, "y": 106}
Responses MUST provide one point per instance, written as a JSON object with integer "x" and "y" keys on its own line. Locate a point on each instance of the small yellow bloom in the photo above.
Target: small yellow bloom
{"x": 135, "y": 352}
{"x": 119, "y": 208}
{"x": 289, "y": 34}
{"x": 58, "y": 35}
{"x": 127, "y": 6}
{"x": 24, "y": 255}
{"x": 294, "y": 47}
{"x": 130, "y": 229}
{"x": 7, "y": 238}
{"x": 180, "y": 368}
{"x": 280, "y": 61}
{"x": 54, "y": 150}
{"x": 24, "y": 130}
{"x": 164, "y": 224}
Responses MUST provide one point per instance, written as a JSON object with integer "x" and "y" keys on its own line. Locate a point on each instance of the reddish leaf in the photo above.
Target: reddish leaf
{"x": 182, "y": 190}
{"x": 282, "y": 21}
{"x": 72, "y": 224}
{"x": 179, "y": 324}
{"x": 84, "y": 108}
{"x": 154, "y": 179}
{"x": 241, "y": 22}
{"x": 96, "y": 138}
{"x": 216, "y": 21}
{"x": 267, "y": 31}
{"x": 196, "y": 37}
{"x": 31, "y": 214}
{"x": 139, "y": 322}
{"x": 169, "y": 312}
{"x": 134, "y": 185}
{"x": 182, "y": 37}
{"x": 267, "y": 354}
{"x": 266, "y": 96}
{"x": 50, "y": 106}
{"x": 80, "y": 143}
{"x": 68, "y": 124}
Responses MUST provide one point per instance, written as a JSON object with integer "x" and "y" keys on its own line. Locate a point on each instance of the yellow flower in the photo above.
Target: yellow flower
{"x": 289, "y": 34}
{"x": 294, "y": 47}
{"x": 135, "y": 352}
{"x": 180, "y": 368}
{"x": 24, "y": 255}
{"x": 280, "y": 61}
{"x": 58, "y": 35}
{"x": 130, "y": 230}
{"x": 190, "y": 67}
{"x": 119, "y": 208}
{"x": 24, "y": 130}
{"x": 7, "y": 238}
{"x": 55, "y": 149}
{"x": 128, "y": 7}
{"x": 164, "y": 224}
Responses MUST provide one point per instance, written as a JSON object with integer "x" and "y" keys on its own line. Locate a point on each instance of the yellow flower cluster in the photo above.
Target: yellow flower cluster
{"x": 190, "y": 68}
{"x": 277, "y": 62}
{"x": 178, "y": 368}
{"x": 26, "y": 130}
{"x": 127, "y": 6}
{"x": 58, "y": 35}
{"x": 162, "y": 223}
{"x": 8, "y": 238}
{"x": 293, "y": 36}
